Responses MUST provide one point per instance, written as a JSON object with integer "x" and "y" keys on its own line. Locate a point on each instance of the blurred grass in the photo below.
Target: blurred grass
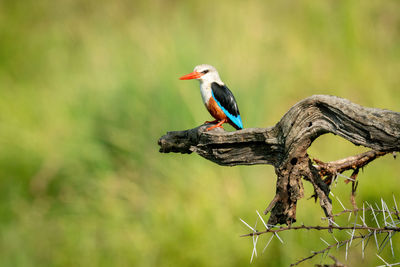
{"x": 87, "y": 88}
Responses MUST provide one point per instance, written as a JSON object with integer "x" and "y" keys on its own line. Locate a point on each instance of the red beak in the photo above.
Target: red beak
{"x": 193, "y": 75}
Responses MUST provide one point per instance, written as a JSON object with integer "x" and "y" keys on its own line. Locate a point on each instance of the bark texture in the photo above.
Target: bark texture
{"x": 285, "y": 146}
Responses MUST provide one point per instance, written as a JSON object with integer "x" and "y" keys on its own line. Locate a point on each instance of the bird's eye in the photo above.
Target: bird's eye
{"x": 205, "y": 71}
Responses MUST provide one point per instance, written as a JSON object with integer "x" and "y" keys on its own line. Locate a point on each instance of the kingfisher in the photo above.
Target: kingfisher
{"x": 216, "y": 96}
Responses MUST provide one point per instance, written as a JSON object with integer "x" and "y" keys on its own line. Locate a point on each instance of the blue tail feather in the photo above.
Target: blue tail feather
{"x": 237, "y": 120}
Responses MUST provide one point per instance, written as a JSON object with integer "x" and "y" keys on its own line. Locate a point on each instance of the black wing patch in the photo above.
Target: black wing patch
{"x": 225, "y": 97}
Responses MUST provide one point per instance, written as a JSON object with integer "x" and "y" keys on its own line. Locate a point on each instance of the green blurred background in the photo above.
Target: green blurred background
{"x": 88, "y": 87}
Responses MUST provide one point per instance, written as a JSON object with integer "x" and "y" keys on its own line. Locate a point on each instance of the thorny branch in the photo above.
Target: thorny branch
{"x": 325, "y": 250}
{"x": 365, "y": 232}
{"x": 285, "y": 147}
{"x": 385, "y": 229}
{"x": 357, "y": 210}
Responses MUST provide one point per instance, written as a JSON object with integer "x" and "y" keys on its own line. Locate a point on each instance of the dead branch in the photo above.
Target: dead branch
{"x": 322, "y": 251}
{"x": 331, "y": 169}
{"x": 357, "y": 210}
{"x": 388, "y": 229}
{"x": 285, "y": 146}
{"x": 385, "y": 229}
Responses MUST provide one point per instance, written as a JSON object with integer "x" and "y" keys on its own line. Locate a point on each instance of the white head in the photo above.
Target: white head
{"x": 204, "y": 73}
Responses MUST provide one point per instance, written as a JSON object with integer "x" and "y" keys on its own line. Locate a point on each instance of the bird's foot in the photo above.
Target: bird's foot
{"x": 208, "y": 122}
{"x": 217, "y": 125}
{"x": 213, "y": 127}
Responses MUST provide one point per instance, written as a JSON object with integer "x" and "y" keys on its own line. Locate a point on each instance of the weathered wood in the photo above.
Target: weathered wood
{"x": 331, "y": 169}
{"x": 285, "y": 145}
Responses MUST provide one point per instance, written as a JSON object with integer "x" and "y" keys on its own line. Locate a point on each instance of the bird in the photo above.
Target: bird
{"x": 216, "y": 96}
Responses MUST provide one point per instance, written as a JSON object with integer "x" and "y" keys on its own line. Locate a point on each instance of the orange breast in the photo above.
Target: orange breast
{"x": 215, "y": 110}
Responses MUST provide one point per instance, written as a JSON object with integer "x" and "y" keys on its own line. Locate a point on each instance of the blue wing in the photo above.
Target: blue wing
{"x": 226, "y": 101}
